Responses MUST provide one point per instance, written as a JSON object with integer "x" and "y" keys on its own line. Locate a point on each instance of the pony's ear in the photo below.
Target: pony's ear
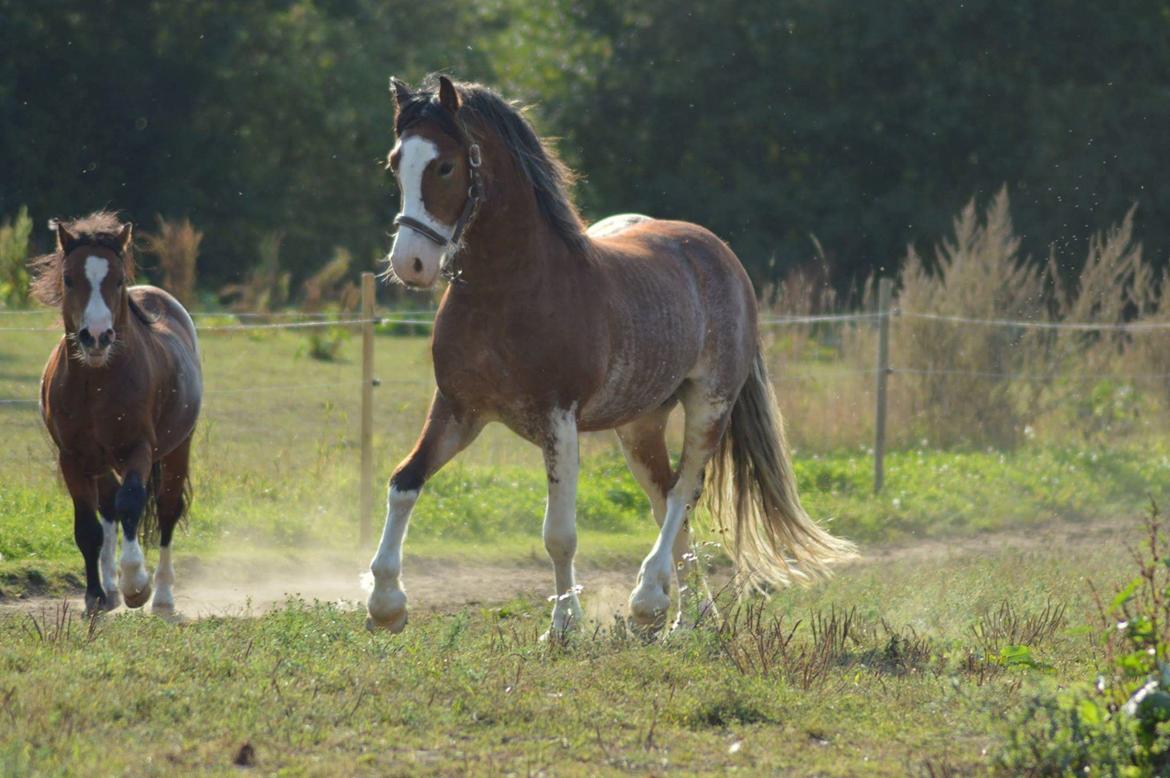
{"x": 400, "y": 91}
{"x": 65, "y": 239}
{"x": 125, "y": 237}
{"x": 448, "y": 96}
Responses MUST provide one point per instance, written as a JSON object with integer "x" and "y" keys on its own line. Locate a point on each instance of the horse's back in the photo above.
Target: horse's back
{"x": 166, "y": 313}
{"x": 173, "y": 337}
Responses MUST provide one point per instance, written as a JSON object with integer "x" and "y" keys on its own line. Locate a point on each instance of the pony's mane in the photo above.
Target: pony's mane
{"x": 100, "y": 228}
{"x": 482, "y": 110}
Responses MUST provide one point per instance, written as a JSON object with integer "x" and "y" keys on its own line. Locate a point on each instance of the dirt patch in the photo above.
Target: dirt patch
{"x": 230, "y": 587}
{"x": 246, "y": 587}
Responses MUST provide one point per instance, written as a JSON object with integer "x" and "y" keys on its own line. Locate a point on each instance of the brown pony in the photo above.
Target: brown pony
{"x": 120, "y": 396}
{"x": 553, "y": 329}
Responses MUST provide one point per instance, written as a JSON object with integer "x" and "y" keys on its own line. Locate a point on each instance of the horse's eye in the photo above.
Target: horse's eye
{"x": 446, "y": 168}
{"x": 68, "y": 281}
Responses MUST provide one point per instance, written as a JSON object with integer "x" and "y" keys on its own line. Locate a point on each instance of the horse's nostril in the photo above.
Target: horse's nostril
{"x": 417, "y": 265}
{"x": 85, "y": 337}
{"x": 106, "y": 338}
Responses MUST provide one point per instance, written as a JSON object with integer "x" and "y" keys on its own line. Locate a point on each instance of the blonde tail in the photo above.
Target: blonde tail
{"x": 772, "y": 539}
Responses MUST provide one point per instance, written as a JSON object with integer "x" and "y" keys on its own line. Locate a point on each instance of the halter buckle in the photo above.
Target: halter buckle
{"x": 473, "y": 155}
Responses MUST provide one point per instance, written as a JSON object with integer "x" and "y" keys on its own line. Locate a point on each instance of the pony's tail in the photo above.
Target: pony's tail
{"x": 148, "y": 524}
{"x": 148, "y": 527}
{"x": 751, "y": 494}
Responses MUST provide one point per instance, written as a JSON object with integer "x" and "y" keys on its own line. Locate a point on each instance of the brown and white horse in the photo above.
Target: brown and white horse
{"x": 554, "y": 330}
{"x": 120, "y": 396}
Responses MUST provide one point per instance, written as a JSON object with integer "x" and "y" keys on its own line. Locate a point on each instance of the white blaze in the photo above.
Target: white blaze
{"x": 96, "y": 317}
{"x": 415, "y": 154}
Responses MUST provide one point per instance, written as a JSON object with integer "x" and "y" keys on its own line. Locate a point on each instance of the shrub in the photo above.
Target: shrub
{"x": 1119, "y": 724}
{"x": 266, "y": 287}
{"x": 176, "y": 244}
{"x": 14, "y": 236}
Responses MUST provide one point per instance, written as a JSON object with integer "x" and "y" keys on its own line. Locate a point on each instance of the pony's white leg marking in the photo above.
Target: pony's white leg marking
{"x": 135, "y": 579}
{"x": 562, "y": 464}
{"x": 387, "y": 602}
{"x": 97, "y": 317}
{"x": 164, "y": 580}
{"x": 651, "y": 597}
{"x": 109, "y": 569}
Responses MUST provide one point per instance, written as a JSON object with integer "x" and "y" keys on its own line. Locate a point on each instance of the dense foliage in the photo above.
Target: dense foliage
{"x": 866, "y": 125}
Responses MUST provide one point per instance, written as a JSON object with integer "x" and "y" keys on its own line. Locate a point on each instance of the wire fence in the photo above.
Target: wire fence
{"x": 296, "y": 320}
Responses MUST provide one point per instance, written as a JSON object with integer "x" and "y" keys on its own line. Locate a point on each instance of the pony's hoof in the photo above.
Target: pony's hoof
{"x": 96, "y": 606}
{"x": 111, "y": 601}
{"x": 137, "y": 599}
{"x": 393, "y": 625}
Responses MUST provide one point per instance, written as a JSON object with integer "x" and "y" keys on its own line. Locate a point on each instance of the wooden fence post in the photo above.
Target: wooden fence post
{"x": 885, "y": 291}
{"x": 365, "y": 503}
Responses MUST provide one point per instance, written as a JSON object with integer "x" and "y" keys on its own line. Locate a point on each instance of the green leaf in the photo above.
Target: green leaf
{"x": 1126, "y": 594}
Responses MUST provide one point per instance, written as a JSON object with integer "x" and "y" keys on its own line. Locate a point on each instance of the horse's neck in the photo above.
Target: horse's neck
{"x": 511, "y": 247}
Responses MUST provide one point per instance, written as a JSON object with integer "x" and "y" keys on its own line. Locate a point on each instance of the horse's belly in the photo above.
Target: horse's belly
{"x": 633, "y": 387}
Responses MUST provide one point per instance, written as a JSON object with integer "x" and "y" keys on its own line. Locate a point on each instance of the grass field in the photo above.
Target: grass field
{"x": 920, "y": 678}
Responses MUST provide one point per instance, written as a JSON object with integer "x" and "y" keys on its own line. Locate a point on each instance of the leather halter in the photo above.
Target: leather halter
{"x": 451, "y": 246}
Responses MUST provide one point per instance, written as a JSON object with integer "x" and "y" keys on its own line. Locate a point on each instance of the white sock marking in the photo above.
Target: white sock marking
{"x": 560, "y": 516}
{"x": 164, "y": 579}
{"x": 387, "y": 598}
{"x": 109, "y": 547}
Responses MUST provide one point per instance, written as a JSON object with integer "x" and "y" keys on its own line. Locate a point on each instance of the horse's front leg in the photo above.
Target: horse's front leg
{"x": 561, "y": 463}
{"x": 443, "y": 436}
{"x": 87, "y": 532}
{"x": 129, "y": 503}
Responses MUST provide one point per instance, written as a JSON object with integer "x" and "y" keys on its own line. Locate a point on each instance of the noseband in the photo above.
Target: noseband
{"x": 451, "y": 246}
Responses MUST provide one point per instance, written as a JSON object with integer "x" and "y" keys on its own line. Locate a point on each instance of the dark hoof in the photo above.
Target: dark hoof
{"x": 138, "y": 599}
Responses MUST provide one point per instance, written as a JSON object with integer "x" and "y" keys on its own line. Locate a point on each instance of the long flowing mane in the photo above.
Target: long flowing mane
{"x": 484, "y": 112}
{"x": 100, "y": 228}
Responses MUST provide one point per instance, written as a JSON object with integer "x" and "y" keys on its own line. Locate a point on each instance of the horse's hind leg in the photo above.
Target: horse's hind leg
{"x": 443, "y": 436}
{"x": 644, "y": 444}
{"x": 107, "y": 491}
{"x": 170, "y": 504}
{"x": 706, "y": 420}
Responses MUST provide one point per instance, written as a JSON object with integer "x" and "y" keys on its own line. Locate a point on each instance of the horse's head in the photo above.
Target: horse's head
{"x": 436, "y": 163}
{"x": 87, "y": 276}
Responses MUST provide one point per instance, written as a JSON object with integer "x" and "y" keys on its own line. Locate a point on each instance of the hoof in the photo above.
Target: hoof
{"x": 649, "y": 602}
{"x": 112, "y": 600}
{"x": 387, "y": 610}
{"x": 95, "y": 605}
{"x": 394, "y": 625}
{"x": 137, "y": 599}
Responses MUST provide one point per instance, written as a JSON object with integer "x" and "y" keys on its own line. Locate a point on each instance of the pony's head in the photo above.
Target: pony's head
{"x": 435, "y": 162}
{"x": 87, "y": 277}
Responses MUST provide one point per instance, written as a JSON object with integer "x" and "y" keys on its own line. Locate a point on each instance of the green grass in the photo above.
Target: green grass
{"x": 275, "y": 467}
{"x": 475, "y": 690}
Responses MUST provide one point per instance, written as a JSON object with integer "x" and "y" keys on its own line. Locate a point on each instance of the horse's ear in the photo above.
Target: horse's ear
{"x": 65, "y": 239}
{"x": 448, "y": 96}
{"x": 400, "y": 91}
{"x": 125, "y": 237}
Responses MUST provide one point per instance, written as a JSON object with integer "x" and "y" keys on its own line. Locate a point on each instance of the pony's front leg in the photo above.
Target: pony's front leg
{"x": 87, "y": 533}
{"x": 561, "y": 463}
{"x": 107, "y": 490}
{"x": 443, "y": 436}
{"x": 129, "y": 504}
